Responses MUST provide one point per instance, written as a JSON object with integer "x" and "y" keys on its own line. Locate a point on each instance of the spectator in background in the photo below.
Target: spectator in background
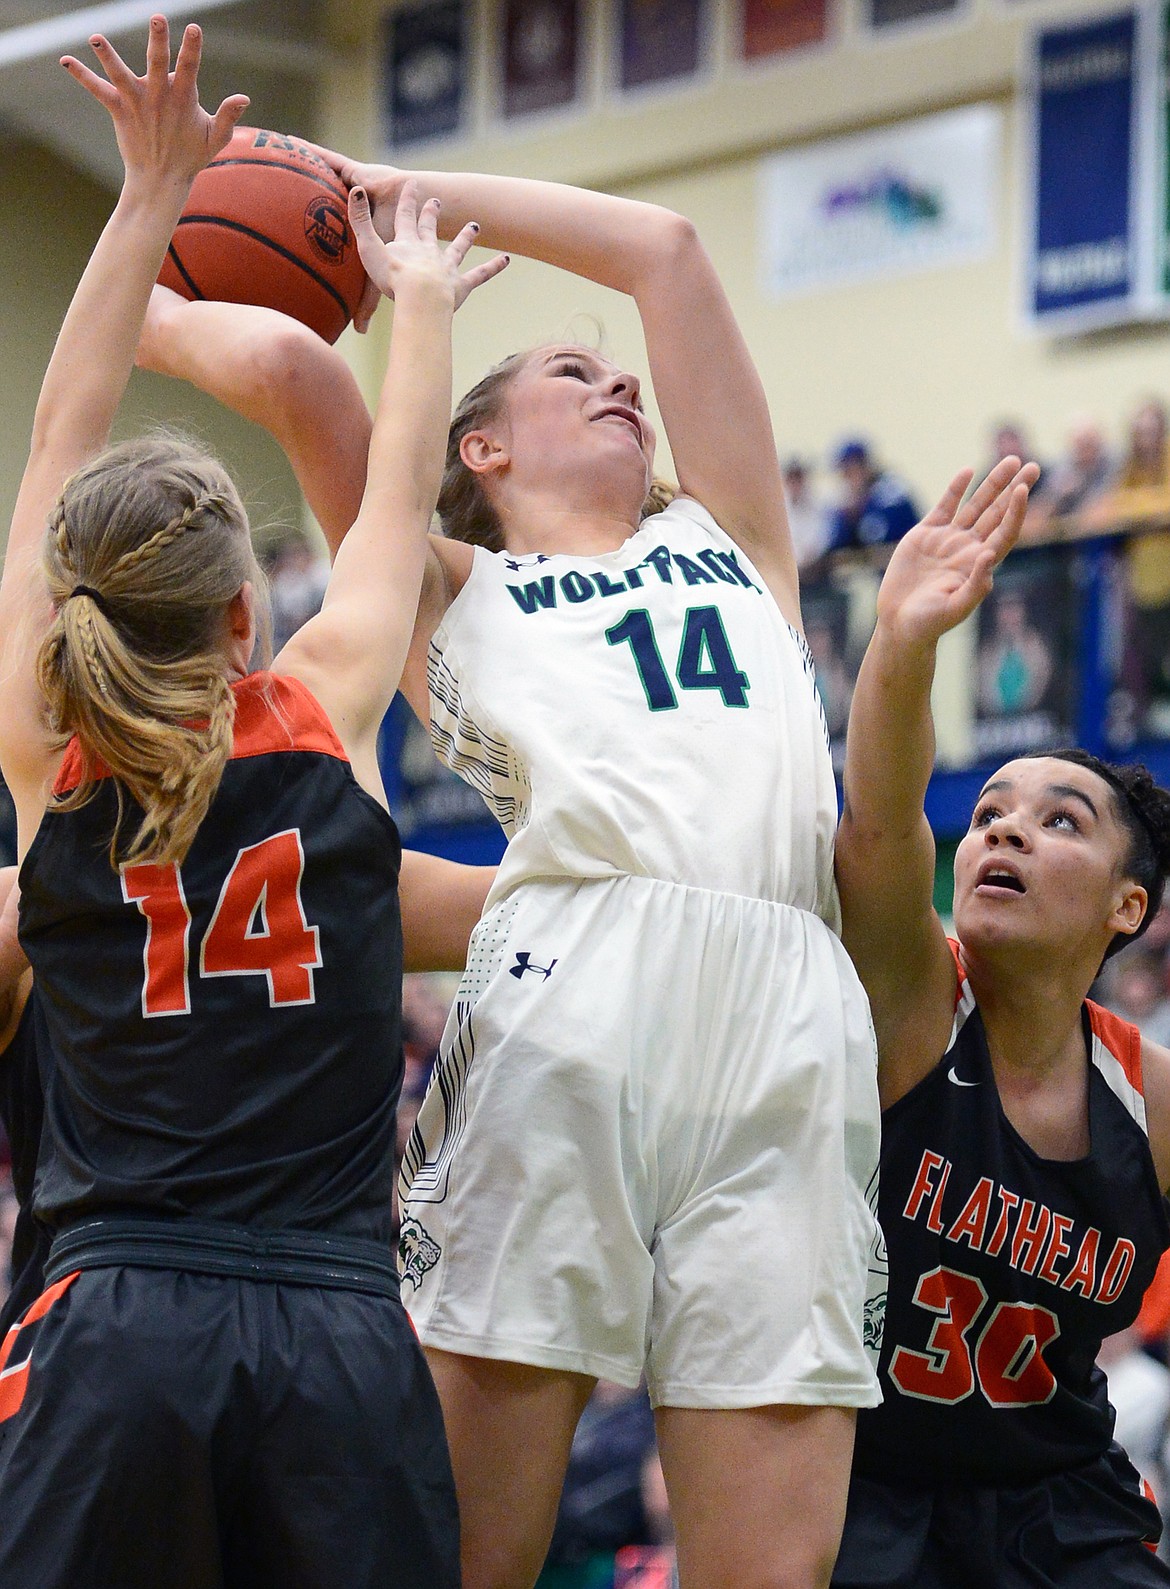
{"x": 1008, "y": 440}
{"x": 1136, "y": 990}
{"x": 1142, "y": 494}
{"x": 1078, "y": 481}
{"x": 808, "y": 518}
{"x": 877, "y": 509}
{"x": 297, "y": 578}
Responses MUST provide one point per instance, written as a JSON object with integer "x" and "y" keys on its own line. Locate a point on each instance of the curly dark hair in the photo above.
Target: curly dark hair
{"x": 1142, "y": 807}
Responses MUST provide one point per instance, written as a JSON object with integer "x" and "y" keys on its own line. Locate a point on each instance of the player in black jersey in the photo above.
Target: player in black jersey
{"x": 1022, "y": 1173}
{"x": 218, "y": 1385}
{"x": 441, "y": 902}
{"x": 21, "y": 1106}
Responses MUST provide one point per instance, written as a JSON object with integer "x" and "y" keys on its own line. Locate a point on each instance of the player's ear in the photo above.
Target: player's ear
{"x": 483, "y": 453}
{"x": 1130, "y": 909}
{"x": 241, "y": 619}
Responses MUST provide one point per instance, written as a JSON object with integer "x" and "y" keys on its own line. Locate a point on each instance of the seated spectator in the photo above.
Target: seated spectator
{"x": 1077, "y": 481}
{"x": 808, "y": 518}
{"x": 877, "y": 509}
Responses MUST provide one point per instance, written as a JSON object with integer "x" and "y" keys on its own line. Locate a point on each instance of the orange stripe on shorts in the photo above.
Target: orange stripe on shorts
{"x": 14, "y": 1381}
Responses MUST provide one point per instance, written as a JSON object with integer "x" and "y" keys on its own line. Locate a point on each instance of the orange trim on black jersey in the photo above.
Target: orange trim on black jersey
{"x": 14, "y": 1381}
{"x": 961, "y": 975}
{"x": 273, "y": 713}
{"x": 1122, "y": 1039}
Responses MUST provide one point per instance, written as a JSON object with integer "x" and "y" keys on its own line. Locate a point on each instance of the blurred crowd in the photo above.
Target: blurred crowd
{"x": 613, "y": 1530}
{"x": 1093, "y": 485}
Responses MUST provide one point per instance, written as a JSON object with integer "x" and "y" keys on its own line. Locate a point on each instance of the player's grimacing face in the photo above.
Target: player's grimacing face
{"x": 570, "y": 404}
{"x": 1043, "y": 859}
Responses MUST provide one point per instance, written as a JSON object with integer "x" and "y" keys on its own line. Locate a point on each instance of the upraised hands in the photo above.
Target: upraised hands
{"x": 415, "y": 253}
{"x": 163, "y": 132}
{"x": 942, "y": 569}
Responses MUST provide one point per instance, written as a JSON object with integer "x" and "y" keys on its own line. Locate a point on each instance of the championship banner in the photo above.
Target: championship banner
{"x": 1096, "y": 246}
{"x": 914, "y": 196}
{"x": 660, "y": 39}
{"x": 772, "y": 26}
{"x": 425, "y": 69}
{"x": 541, "y": 54}
{"x": 889, "y": 13}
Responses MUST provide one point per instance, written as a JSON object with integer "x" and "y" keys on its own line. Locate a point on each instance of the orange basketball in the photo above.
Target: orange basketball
{"x": 266, "y": 223}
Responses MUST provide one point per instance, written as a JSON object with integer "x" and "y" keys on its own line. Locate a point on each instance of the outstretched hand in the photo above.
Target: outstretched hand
{"x": 163, "y": 132}
{"x": 382, "y": 185}
{"x": 415, "y": 253}
{"x": 942, "y": 569}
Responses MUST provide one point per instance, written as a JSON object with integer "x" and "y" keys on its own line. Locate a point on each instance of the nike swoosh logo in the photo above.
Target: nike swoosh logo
{"x": 958, "y": 1081}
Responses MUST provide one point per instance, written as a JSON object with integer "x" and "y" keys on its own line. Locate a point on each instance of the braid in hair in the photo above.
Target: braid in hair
{"x": 133, "y": 664}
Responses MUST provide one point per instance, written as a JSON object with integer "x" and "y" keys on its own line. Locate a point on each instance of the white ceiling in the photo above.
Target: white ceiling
{"x": 268, "y": 49}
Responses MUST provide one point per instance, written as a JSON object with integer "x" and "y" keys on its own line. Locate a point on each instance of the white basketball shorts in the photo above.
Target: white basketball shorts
{"x": 649, "y": 1146}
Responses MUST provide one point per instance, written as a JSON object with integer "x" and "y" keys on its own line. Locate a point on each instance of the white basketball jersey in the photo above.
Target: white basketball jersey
{"x": 645, "y": 711}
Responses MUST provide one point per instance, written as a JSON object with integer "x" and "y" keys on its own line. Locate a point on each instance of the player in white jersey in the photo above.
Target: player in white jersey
{"x": 654, "y": 1122}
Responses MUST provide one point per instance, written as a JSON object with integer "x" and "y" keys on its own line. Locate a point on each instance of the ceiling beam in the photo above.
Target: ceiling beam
{"x": 54, "y": 34}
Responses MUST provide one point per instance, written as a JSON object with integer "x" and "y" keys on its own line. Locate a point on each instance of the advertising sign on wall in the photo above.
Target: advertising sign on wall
{"x": 910, "y": 197}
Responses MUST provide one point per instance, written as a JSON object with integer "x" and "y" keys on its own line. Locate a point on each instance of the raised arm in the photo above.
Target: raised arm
{"x": 885, "y": 856}
{"x": 277, "y": 373}
{"x": 15, "y": 975}
{"x": 706, "y": 384}
{"x": 165, "y": 138}
{"x": 441, "y": 902}
{"x": 351, "y": 655}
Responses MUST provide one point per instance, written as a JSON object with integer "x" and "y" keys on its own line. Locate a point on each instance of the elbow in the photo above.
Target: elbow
{"x": 672, "y": 246}
{"x": 289, "y": 368}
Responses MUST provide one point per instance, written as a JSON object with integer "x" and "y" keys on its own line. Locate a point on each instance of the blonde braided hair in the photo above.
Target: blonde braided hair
{"x": 133, "y": 663}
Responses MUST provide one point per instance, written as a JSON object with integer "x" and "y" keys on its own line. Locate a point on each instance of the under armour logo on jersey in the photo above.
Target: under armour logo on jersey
{"x": 514, "y": 564}
{"x": 524, "y": 963}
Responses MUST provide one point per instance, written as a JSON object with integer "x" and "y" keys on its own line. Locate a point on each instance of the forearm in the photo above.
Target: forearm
{"x": 889, "y": 753}
{"x": 95, "y": 349}
{"x": 278, "y": 374}
{"x": 385, "y": 549}
{"x": 408, "y": 443}
{"x": 620, "y": 243}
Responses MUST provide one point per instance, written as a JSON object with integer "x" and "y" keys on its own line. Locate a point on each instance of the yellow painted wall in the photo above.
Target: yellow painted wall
{"x": 52, "y": 217}
{"x": 924, "y": 363}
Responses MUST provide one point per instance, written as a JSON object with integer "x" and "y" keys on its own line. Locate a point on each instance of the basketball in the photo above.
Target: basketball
{"x": 266, "y": 223}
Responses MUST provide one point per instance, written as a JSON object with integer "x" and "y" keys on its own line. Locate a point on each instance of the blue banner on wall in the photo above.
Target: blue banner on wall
{"x": 424, "y": 67}
{"x": 1086, "y": 240}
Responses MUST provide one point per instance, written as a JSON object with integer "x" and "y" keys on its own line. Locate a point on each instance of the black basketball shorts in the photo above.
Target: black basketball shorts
{"x": 160, "y": 1429}
{"x": 1091, "y": 1527}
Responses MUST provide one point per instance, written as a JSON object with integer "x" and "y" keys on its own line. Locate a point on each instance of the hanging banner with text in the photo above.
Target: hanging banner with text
{"x": 1096, "y": 222}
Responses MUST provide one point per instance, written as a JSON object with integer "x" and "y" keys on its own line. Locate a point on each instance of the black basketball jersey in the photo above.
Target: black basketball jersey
{"x": 22, "y": 1110}
{"x": 223, "y": 1036}
{"x": 1007, "y": 1269}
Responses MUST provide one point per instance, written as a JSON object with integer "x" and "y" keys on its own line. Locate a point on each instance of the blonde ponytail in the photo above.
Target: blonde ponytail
{"x": 146, "y": 549}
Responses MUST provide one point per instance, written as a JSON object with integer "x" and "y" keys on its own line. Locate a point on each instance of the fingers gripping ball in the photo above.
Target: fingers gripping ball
{"x": 266, "y": 223}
